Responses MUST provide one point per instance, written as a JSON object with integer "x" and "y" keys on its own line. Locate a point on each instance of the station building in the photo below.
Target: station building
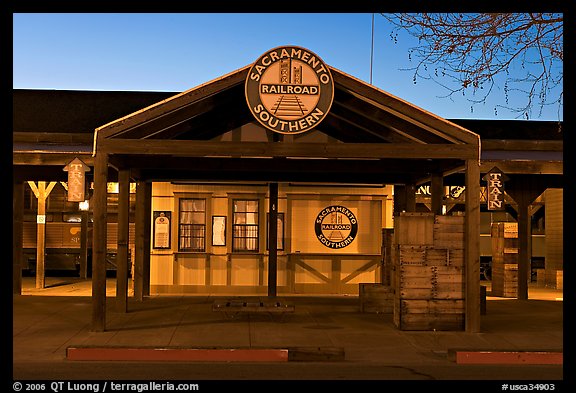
{"x": 182, "y": 187}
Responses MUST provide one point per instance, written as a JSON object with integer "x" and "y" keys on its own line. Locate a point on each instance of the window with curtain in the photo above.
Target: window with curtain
{"x": 245, "y": 225}
{"x": 192, "y": 225}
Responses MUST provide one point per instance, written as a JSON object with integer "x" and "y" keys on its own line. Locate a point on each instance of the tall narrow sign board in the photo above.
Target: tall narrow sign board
{"x": 495, "y": 179}
{"x": 76, "y": 180}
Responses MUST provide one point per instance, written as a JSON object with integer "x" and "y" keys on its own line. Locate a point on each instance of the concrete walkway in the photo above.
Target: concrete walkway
{"x": 323, "y": 328}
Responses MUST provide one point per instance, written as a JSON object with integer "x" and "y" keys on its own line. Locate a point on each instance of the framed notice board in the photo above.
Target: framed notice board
{"x": 162, "y": 229}
{"x": 218, "y": 230}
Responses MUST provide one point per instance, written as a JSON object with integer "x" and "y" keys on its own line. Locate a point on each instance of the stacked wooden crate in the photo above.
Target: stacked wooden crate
{"x": 546, "y": 278}
{"x": 429, "y": 272}
{"x": 376, "y": 298}
{"x": 504, "y": 237}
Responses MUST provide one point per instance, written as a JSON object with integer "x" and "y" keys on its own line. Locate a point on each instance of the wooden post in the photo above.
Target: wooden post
{"x": 17, "y": 236}
{"x": 142, "y": 247}
{"x": 404, "y": 198}
{"x": 472, "y": 247}
{"x": 84, "y": 245}
{"x": 41, "y": 192}
{"x": 399, "y": 199}
{"x": 123, "y": 239}
{"x": 41, "y": 237}
{"x": 99, "y": 242}
{"x": 387, "y": 249}
{"x": 411, "y": 197}
{"x": 229, "y": 269}
{"x": 273, "y": 240}
{"x": 139, "y": 240}
{"x": 437, "y": 191}
{"x": 524, "y": 189}
{"x": 147, "y": 241}
{"x": 524, "y": 247}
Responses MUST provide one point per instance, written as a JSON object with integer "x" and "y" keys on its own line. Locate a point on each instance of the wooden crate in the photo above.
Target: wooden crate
{"x": 376, "y": 298}
{"x": 449, "y": 282}
{"x": 414, "y": 229}
{"x": 429, "y": 272}
{"x": 431, "y": 315}
{"x": 411, "y": 255}
{"x": 504, "y": 259}
{"x": 455, "y": 258}
{"x": 559, "y": 279}
{"x": 548, "y": 278}
{"x": 505, "y": 280}
{"x": 437, "y": 256}
{"x": 396, "y": 310}
{"x": 449, "y": 232}
{"x": 450, "y": 220}
{"x": 432, "y": 282}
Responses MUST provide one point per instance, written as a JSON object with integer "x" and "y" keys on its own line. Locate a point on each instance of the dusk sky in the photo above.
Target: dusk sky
{"x": 176, "y": 52}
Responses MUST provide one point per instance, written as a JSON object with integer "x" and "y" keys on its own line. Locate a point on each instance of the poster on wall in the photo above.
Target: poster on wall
{"x": 219, "y": 230}
{"x": 162, "y": 229}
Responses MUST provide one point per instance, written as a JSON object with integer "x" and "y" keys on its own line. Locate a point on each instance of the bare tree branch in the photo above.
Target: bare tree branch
{"x": 477, "y": 51}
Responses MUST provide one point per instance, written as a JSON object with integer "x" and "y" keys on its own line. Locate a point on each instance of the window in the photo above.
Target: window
{"x": 192, "y": 225}
{"x": 245, "y": 225}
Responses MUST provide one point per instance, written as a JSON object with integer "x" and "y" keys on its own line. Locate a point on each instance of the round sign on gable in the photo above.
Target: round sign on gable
{"x": 289, "y": 90}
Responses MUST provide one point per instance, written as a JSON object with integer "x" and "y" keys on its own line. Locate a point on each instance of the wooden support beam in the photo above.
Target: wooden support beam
{"x": 524, "y": 248}
{"x": 142, "y": 241}
{"x": 123, "y": 240}
{"x": 437, "y": 191}
{"x": 402, "y": 109}
{"x": 472, "y": 247}
{"x": 175, "y": 102}
{"x": 387, "y": 253}
{"x": 99, "y": 233}
{"x": 411, "y": 197}
{"x": 17, "y": 236}
{"x": 58, "y": 159}
{"x": 524, "y": 167}
{"x": 399, "y": 199}
{"x": 522, "y": 145}
{"x": 273, "y": 240}
{"x": 524, "y": 189}
{"x": 196, "y": 148}
{"x": 41, "y": 191}
{"x": 84, "y": 245}
{"x": 139, "y": 224}
{"x": 147, "y": 240}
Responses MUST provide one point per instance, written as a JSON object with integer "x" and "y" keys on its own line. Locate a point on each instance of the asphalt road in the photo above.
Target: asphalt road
{"x": 291, "y": 371}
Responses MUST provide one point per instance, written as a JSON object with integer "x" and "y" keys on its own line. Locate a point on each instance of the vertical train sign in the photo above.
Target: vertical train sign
{"x": 495, "y": 179}
{"x": 76, "y": 180}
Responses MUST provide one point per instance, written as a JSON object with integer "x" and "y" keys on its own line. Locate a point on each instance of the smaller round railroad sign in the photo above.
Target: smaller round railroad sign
{"x": 336, "y": 227}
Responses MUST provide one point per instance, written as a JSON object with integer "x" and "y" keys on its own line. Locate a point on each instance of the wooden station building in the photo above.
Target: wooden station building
{"x": 334, "y": 161}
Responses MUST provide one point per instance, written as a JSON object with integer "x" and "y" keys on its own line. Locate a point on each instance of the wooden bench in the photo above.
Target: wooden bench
{"x": 237, "y": 306}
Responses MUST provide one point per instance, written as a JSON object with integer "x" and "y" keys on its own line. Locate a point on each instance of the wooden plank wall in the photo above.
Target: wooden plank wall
{"x": 429, "y": 272}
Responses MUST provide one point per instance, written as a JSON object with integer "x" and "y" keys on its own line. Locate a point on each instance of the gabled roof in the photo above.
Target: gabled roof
{"x": 360, "y": 113}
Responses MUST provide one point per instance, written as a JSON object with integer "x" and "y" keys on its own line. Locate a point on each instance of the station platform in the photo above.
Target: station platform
{"x": 52, "y": 323}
